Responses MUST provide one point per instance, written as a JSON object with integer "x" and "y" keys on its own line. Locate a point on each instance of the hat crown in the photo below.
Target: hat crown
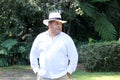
{"x": 54, "y": 15}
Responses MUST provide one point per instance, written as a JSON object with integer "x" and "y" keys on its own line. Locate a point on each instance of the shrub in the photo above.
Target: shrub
{"x": 100, "y": 56}
{"x": 13, "y": 52}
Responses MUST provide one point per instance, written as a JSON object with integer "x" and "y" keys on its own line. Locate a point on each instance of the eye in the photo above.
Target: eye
{"x": 59, "y": 23}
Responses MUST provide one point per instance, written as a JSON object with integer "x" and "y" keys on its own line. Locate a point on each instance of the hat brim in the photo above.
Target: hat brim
{"x": 47, "y": 20}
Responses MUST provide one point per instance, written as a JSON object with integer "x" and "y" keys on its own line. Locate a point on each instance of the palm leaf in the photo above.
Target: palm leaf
{"x": 88, "y": 9}
{"x": 102, "y": 25}
{"x": 105, "y": 28}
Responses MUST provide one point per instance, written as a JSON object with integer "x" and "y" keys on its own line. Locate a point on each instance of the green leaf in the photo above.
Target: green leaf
{"x": 105, "y": 28}
{"x": 3, "y": 52}
{"x": 21, "y": 49}
{"x": 88, "y": 9}
{"x": 9, "y": 43}
{"x": 1, "y": 38}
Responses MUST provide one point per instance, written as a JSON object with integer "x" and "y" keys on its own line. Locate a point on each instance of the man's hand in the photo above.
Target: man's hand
{"x": 36, "y": 73}
{"x": 38, "y": 77}
{"x": 68, "y": 74}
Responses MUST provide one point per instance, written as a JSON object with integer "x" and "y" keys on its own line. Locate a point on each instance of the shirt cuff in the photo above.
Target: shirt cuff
{"x": 69, "y": 71}
{"x": 36, "y": 70}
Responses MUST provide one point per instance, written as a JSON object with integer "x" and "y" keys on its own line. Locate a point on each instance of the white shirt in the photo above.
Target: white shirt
{"x": 54, "y": 55}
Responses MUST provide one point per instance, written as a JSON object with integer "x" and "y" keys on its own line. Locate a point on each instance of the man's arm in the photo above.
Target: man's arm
{"x": 34, "y": 55}
{"x": 72, "y": 56}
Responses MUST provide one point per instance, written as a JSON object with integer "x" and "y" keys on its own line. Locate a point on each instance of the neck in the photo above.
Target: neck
{"x": 52, "y": 34}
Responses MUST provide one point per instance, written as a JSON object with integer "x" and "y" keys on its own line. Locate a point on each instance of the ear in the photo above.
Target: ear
{"x": 49, "y": 24}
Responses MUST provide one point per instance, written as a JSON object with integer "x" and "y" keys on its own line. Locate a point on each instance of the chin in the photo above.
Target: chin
{"x": 58, "y": 32}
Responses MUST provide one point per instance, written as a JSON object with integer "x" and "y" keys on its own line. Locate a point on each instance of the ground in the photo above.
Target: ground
{"x": 17, "y": 74}
{"x": 21, "y": 73}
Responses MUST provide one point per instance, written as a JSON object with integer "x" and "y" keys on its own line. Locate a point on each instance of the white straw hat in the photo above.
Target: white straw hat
{"x": 54, "y": 16}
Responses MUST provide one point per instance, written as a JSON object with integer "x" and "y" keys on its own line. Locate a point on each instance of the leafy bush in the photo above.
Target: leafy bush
{"x": 13, "y": 52}
{"x": 100, "y": 56}
{"x": 6, "y": 46}
{"x": 19, "y": 24}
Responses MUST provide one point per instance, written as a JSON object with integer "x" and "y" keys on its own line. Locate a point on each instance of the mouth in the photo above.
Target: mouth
{"x": 58, "y": 29}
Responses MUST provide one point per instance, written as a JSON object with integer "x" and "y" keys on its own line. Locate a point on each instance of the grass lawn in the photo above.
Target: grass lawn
{"x": 82, "y": 75}
{"x": 78, "y": 75}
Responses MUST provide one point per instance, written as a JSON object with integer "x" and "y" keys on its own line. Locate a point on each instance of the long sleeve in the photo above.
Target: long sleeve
{"x": 34, "y": 55}
{"x": 73, "y": 56}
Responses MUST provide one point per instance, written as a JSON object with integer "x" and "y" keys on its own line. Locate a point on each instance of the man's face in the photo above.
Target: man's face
{"x": 55, "y": 27}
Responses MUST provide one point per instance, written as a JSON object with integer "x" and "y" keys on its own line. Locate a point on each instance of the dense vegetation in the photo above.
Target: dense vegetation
{"x": 100, "y": 56}
{"x": 21, "y": 21}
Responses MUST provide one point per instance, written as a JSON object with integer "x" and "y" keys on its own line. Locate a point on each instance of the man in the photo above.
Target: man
{"x": 56, "y": 51}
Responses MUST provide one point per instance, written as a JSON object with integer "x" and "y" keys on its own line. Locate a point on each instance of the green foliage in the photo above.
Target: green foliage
{"x": 4, "y": 62}
{"x": 3, "y": 52}
{"x": 21, "y": 49}
{"x": 17, "y": 21}
{"x": 105, "y": 28}
{"x": 21, "y": 21}
{"x": 100, "y": 0}
{"x": 91, "y": 41}
{"x": 8, "y": 44}
{"x": 88, "y": 9}
{"x": 100, "y": 56}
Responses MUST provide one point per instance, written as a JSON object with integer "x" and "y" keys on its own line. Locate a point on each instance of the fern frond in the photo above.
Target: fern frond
{"x": 88, "y": 9}
{"x": 102, "y": 25}
{"x": 105, "y": 28}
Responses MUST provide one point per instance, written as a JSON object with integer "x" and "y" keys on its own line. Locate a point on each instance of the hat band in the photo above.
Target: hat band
{"x": 56, "y": 18}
